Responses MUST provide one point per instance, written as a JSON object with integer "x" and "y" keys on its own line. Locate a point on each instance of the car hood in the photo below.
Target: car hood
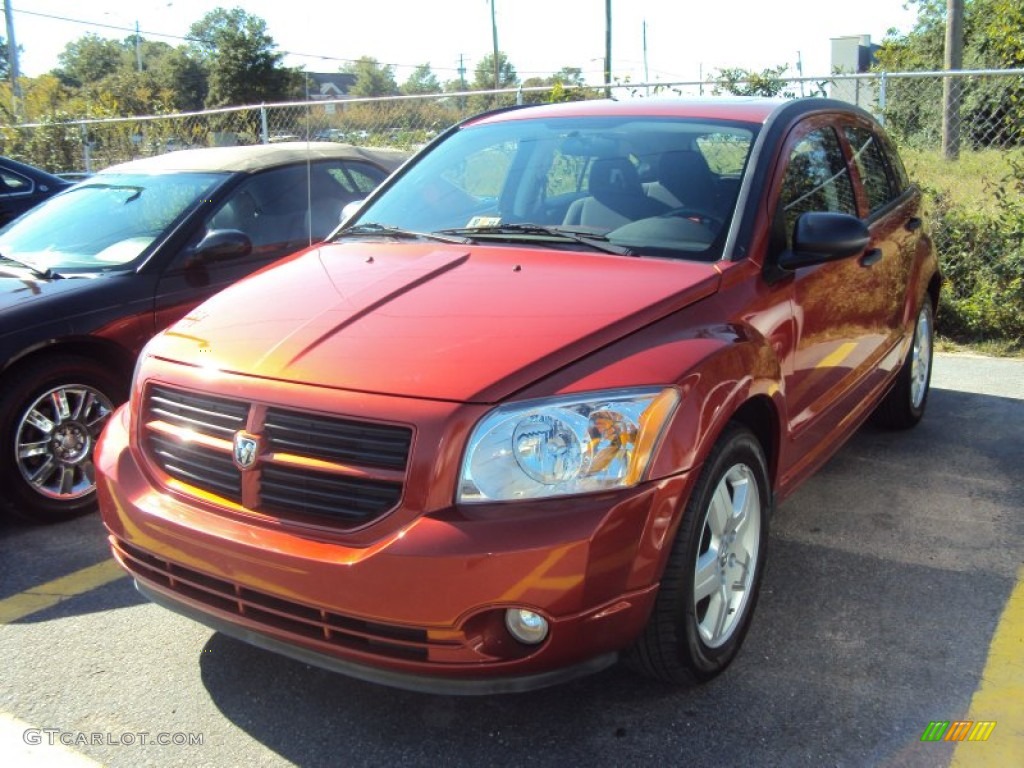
{"x": 20, "y": 288}
{"x": 431, "y": 320}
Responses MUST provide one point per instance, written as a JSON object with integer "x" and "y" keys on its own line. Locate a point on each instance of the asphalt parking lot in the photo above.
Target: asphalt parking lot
{"x": 892, "y": 599}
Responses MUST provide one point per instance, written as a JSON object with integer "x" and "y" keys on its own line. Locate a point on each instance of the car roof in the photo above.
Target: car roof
{"x": 38, "y": 174}
{"x": 259, "y": 157}
{"x": 744, "y": 109}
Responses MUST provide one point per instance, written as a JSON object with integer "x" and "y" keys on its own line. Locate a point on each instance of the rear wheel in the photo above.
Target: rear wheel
{"x": 711, "y": 581}
{"x": 904, "y": 406}
{"x": 51, "y": 415}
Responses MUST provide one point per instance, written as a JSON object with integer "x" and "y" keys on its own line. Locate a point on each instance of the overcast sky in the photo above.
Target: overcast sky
{"x": 685, "y": 39}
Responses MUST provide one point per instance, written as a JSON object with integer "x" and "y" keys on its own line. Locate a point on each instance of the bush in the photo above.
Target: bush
{"x": 981, "y": 250}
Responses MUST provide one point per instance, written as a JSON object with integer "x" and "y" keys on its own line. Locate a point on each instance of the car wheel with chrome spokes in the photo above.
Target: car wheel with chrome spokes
{"x": 53, "y": 412}
{"x": 904, "y": 406}
{"x": 711, "y": 581}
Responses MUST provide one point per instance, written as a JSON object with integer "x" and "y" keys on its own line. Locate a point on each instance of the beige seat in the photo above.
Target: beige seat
{"x": 616, "y": 197}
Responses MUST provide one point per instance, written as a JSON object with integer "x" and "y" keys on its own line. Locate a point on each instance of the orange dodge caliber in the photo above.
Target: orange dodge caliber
{"x": 528, "y": 411}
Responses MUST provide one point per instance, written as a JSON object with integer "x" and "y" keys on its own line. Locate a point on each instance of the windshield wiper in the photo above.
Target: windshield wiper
{"x": 593, "y": 240}
{"x": 406, "y": 234}
{"x": 45, "y": 274}
{"x": 135, "y": 189}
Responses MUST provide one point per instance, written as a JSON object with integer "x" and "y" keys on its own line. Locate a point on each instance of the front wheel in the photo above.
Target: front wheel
{"x": 904, "y": 406}
{"x": 711, "y": 581}
{"x": 51, "y": 415}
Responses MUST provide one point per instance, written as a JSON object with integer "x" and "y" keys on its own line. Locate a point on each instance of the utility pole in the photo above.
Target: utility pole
{"x": 954, "y": 58}
{"x": 608, "y": 49}
{"x": 647, "y": 74}
{"x": 494, "y": 35}
{"x": 12, "y": 57}
{"x": 138, "y": 47}
{"x": 462, "y": 81}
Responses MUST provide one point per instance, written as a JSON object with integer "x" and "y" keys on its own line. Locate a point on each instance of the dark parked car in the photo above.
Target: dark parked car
{"x": 88, "y": 276}
{"x": 23, "y": 186}
{"x": 530, "y": 409}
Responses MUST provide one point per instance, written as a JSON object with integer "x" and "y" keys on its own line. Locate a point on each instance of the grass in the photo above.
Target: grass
{"x": 994, "y": 348}
{"x": 970, "y": 181}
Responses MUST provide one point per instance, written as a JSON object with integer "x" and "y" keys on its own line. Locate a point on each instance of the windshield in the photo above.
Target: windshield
{"x": 641, "y": 185}
{"x": 105, "y": 222}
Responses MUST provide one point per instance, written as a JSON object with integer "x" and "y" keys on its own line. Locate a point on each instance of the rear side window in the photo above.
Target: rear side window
{"x": 816, "y": 179}
{"x": 870, "y": 157}
{"x": 14, "y": 184}
{"x": 358, "y": 179}
{"x": 726, "y": 153}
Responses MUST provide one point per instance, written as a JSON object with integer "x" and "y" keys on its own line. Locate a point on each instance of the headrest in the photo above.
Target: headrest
{"x": 614, "y": 176}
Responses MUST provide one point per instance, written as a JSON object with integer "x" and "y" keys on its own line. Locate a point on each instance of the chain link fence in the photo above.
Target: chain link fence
{"x": 989, "y": 115}
{"x": 969, "y": 157}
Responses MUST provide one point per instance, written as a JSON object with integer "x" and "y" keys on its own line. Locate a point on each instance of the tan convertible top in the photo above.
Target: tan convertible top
{"x": 259, "y": 157}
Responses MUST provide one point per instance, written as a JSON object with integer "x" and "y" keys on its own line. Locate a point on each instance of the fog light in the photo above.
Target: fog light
{"x": 526, "y": 626}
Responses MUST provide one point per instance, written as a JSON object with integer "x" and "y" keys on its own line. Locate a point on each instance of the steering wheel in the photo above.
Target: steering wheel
{"x": 712, "y": 221}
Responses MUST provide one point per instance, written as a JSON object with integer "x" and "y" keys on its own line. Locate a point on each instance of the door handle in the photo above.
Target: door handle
{"x": 913, "y": 224}
{"x": 871, "y": 257}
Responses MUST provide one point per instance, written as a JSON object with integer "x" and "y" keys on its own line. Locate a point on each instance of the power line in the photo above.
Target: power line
{"x": 190, "y": 39}
{"x": 104, "y": 25}
{"x": 134, "y": 30}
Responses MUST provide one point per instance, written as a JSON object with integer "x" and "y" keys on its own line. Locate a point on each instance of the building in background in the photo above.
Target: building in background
{"x": 854, "y": 54}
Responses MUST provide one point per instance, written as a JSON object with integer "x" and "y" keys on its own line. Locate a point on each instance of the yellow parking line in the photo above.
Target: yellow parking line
{"x": 837, "y": 356}
{"x": 1000, "y": 696}
{"x": 52, "y": 592}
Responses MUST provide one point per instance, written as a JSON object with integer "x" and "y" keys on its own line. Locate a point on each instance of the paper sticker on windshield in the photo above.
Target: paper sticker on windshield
{"x": 483, "y": 221}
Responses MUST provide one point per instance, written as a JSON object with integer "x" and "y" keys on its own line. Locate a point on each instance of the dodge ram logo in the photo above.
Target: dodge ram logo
{"x": 246, "y": 448}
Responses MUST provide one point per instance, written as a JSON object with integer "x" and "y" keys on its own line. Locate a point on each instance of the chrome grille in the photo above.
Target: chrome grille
{"x": 214, "y": 416}
{"x": 197, "y": 465}
{"x": 311, "y": 465}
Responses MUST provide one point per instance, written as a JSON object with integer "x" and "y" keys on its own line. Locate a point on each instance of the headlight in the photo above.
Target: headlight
{"x": 564, "y": 445}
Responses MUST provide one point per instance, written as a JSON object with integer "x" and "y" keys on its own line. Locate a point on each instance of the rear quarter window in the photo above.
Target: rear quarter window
{"x": 725, "y": 153}
{"x": 482, "y": 174}
{"x": 869, "y": 156}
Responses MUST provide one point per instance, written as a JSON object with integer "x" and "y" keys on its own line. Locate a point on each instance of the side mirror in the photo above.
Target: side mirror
{"x": 223, "y": 245}
{"x": 822, "y": 237}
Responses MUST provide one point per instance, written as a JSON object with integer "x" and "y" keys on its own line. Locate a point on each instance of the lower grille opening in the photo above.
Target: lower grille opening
{"x": 275, "y": 612}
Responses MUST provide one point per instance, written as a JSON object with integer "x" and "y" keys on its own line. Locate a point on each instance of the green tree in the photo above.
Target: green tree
{"x": 992, "y": 109}
{"x": 422, "y": 80}
{"x": 565, "y": 85}
{"x": 240, "y": 58}
{"x": 746, "y": 82}
{"x": 372, "y": 78}
{"x": 483, "y": 75}
{"x": 5, "y": 65}
{"x": 483, "y": 80}
{"x": 89, "y": 59}
{"x": 993, "y": 37}
{"x": 181, "y": 76}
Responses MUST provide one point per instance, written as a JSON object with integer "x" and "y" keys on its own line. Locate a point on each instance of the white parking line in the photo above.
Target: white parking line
{"x": 23, "y": 745}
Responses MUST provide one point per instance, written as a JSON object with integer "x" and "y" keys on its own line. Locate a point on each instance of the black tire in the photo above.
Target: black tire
{"x": 904, "y": 405}
{"x": 682, "y": 642}
{"x": 51, "y": 413}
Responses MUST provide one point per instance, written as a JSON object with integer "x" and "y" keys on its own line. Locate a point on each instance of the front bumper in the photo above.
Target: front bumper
{"x": 420, "y": 608}
{"x": 384, "y": 676}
